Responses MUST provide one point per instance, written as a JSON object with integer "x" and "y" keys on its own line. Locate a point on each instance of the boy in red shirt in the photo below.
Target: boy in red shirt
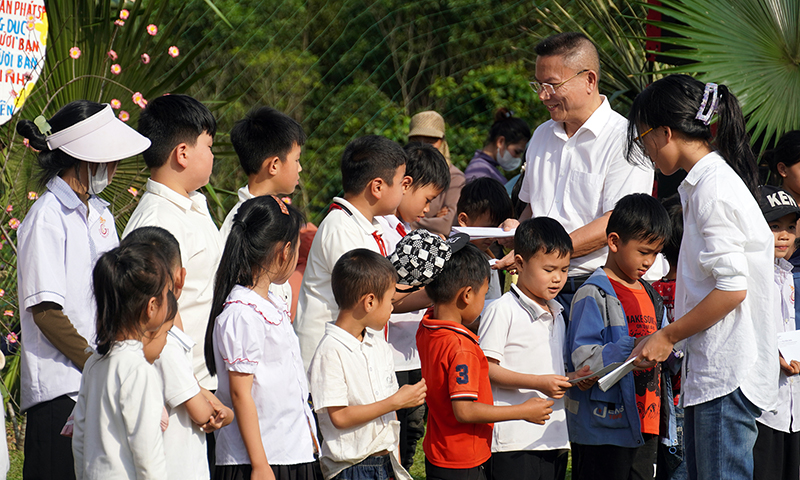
{"x": 461, "y": 411}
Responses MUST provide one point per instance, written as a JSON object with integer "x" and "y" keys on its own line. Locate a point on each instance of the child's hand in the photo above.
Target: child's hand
{"x": 262, "y": 473}
{"x": 217, "y": 421}
{"x": 410, "y": 395}
{"x": 444, "y": 211}
{"x": 537, "y": 410}
{"x": 789, "y": 369}
{"x": 553, "y": 386}
{"x": 583, "y": 384}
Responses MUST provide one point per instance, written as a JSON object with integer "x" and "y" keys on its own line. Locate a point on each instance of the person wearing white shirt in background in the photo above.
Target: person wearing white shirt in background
{"x": 776, "y": 455}
{"x": 724, "y": 290}
{"x": 268, "y": 144}
{"x": 58, "y": 243}
{"x": 180, "y": 161}
{"x": 575, "y": 165}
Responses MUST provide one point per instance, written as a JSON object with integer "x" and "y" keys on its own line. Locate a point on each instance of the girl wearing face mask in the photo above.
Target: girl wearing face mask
{"x": 503, "y": 149}
{"x": 64, "y": 233}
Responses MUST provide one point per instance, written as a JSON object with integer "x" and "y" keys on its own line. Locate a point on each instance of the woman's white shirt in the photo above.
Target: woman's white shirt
{"x": 726, "y": 245}
{"x": 58, "y": 245}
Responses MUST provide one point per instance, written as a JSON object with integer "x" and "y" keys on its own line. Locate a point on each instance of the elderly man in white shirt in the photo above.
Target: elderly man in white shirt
{"x": 575, "y": 162}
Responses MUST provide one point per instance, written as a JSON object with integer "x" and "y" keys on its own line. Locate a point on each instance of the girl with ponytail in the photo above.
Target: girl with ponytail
{"x": 724, "y": 289}
{"x": 251, "y": 345}
{"x": 503, "y": 148}
{"x": 58, "y": 243}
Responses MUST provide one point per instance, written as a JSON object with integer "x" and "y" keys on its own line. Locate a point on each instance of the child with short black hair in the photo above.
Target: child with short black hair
{"x": 614, "y": 433}
{"x": 373, "y": 172}
{"x": 117, "y": 415}
{"x": 180, "y": 160}
{"x": 460, "y": 406}
{"x": 352, "y": 375}
{"x": 427, "y": 171}
{"x": 775, "y": 455}
{"x": 484, "y": 202}
{"x": 522, "y": 335}
{"x": 268, "y": 144}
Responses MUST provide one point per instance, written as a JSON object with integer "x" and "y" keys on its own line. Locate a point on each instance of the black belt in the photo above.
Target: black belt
{"x": 574, "y": 283}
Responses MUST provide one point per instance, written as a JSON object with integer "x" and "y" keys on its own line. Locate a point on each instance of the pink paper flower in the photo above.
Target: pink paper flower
{"x": 31, "y": 196}
{"x": 115, "y": 69}
{"x": 31, "y": 23}
{"x": 2, "y": 293}
{"x": 133, "y": 191}
{"x": 152, "y": 29}
{"x": 27, "y": 143}
{"x": 112, "y": 54}
{"x": 173, "y": 51}
{"x": 115, "y": 104}
{"x": 119, "y": 22}
{"x": 9, "y": 209}
{"x": 145, "y": 58}
{"x": 123, "y": 115}
{"x": 14, "y": 223}
{"x": 8, "y": 313}
{"x": 138, "y": 99}
{"x": 286, "y": 200}
{"x": 123, "y": 14}
{"x": 12, "y": 337}
{"x": 74, "y": 52}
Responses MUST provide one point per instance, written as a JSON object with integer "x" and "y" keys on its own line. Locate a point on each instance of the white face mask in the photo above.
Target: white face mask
{"x": 509, "y": 162}
{"x": 99, "y": 179}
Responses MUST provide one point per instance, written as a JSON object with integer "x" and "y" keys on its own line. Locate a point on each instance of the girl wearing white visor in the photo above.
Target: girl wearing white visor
{"x": 65, "y": 232}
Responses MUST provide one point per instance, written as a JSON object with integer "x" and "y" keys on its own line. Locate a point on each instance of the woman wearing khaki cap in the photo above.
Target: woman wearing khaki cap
{"x": 428, "y": 127}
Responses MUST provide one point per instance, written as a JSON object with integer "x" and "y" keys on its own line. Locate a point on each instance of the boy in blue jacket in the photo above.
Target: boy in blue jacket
{"x": 614, "y": 434}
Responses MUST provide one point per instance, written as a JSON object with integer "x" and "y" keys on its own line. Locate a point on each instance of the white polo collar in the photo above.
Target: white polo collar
{"x": 368, "y": 227}
{"x": 535, "y": 310}
{"x": 595, "y": 124}
{"x": 195, "y": 201}
{"x": 348, "y": 340}
{"x": 67, "y": 196}
{"x": 696, "y": 172}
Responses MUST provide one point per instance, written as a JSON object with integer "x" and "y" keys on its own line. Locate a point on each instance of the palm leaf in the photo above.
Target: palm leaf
{"x": 753, "y": 47}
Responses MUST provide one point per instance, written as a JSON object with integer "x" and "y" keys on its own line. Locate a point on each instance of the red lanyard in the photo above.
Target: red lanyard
{"x": 401, "y": 230}
{"x": 378, "y": 239}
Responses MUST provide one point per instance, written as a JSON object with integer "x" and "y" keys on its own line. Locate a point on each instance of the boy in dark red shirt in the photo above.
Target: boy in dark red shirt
{"x": 461, "y": 411}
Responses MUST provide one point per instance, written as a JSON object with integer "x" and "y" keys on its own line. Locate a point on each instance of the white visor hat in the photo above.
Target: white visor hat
{"x": 101, "y": 138}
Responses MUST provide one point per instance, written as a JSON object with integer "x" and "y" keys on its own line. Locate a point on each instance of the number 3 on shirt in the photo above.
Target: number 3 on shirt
{"x": 463, "y": 374}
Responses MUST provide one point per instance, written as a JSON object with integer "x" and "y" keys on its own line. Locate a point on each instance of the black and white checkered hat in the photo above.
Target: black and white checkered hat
{"x": 421, "y": 255}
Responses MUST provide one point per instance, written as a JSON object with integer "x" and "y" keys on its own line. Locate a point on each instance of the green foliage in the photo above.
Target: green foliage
{"x": 751, "y": 46}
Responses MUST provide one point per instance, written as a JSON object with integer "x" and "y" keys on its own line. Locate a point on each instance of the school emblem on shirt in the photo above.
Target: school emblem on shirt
{"x": 103, "y": 227}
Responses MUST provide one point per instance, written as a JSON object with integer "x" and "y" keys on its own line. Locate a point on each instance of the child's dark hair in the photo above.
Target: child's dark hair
{"x": 483, "y": 195}
{"x": 160, "y": 239}
{"x": 125, "y": 279}
{"x": 468, "y": 267}
{"x": 506, "y": 125}
{"x": 672, "y": 247}
{"x": 360, "y": 272}
{"x": 367, "y": 158}
{"x": 260, "y": 231}
{"x": 673, "y": 102}
{"x": 55, "y": 161}
{"x": 639, "y": 216}
{"x": 426, "y": 166}
{"x": 170, "y": 120}
{"x": 265, "y": 133}
{"x": 541, "y": 234}
{"x": 787, "y": 151}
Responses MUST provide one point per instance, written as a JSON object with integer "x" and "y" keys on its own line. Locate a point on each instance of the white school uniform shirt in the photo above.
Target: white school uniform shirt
{"x": 184, "y": 441}
{"x": 525, "y": 338}
{"x": 58, "y": 244}
{"x": 117, "y": 430}
{"x": 190, "y": 222}
{"x": 283, "y": 289}
{"x": 347, "y": 372}
{"x": 727, "y": 245}
{"x": 343, "y": 229}
{"x": 401, "y": 331}
{"x": 577, "y": 179}
{"x": 254, "y": 336}
{"x": 787, "y": 416}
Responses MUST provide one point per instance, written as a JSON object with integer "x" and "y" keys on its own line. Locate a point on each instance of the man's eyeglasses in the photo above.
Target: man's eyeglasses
{"x": 549, "y": 87}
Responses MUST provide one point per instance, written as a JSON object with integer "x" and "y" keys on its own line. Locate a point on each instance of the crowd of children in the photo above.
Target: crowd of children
{"x": 396, "y": 327}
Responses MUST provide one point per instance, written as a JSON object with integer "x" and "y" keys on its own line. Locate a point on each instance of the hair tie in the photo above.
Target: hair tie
{"x": 42, "y": 125}
{"x": 711, "y": 88}
{"x": 240, "y": 224}
{"x": 509, "y": 114}
{"x": 282, "y": 205}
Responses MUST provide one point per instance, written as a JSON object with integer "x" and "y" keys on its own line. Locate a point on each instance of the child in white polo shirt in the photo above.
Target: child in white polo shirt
{"x": 352, "y": 375}
{"x": 522, "y": 334}
{"x": 373, "y": 176}
{"x": 180, "y": 160}
{"x": 427, "y": 169}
